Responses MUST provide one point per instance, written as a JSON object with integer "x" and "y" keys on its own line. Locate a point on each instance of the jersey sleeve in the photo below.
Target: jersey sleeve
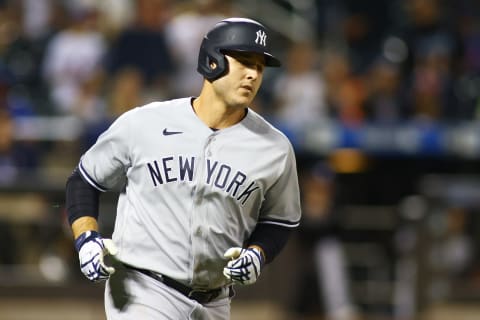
{"x": 282, "y": 199}
{"x": 105, "y": 164}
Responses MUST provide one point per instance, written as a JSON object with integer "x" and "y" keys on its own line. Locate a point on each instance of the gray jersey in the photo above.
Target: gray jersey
{"x": 190, "y": 193}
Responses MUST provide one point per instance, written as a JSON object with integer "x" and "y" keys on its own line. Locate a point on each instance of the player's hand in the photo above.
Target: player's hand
{"x": 244, "y": 266}
{"x": 92, "y": 249}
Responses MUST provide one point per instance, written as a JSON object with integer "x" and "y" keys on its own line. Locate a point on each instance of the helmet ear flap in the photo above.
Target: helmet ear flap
{"x": 218, "y": 64}
{"x": 212, "y": 63}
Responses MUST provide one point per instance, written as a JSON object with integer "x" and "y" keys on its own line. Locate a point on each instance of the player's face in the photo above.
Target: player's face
{"x": 245, "y": 73}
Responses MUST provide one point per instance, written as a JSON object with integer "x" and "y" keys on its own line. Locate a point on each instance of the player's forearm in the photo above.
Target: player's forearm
{"x": 270, "y": 239}
{"x": 82, "y": 203}
{"x": 84, "y": 224}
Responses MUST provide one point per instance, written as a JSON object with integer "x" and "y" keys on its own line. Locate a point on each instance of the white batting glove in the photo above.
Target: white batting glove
{"x": 92, "y": 249}
{"x": 244, "y": 266}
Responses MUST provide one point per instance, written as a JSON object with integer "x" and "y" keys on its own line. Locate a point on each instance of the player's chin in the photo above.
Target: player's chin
{"x": 244, "y": 99}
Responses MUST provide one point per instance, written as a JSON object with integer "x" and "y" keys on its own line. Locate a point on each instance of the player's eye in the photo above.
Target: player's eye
{"x": 252, "y": 64}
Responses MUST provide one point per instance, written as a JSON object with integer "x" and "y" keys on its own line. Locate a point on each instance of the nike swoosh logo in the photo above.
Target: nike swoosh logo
{"x": 169, "y": 133}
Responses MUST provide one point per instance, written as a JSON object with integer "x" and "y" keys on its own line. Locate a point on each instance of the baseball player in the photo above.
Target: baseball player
{"x": 208, "y": 190}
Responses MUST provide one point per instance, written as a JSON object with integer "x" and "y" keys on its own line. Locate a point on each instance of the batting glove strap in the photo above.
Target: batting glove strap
{"x": 245, "y": 268}
{"x": 85, "y": 237}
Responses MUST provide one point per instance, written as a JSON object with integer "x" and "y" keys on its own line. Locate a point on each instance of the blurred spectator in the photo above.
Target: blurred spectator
{"x": 364, "y": 25}
{"x": 324, "y": 283}
{"x": 90, "y": 105}
{"x": 36, "y": 18}
{"x": 385, "y": 102}
{"x": 458, "y": 247}
{"x": 115, "y": 15}
{"x": 434, "y": 50}
{"x": 13, "y": 103}
{"x": 22, "y": 55}
{"x": 9, "y": 25}
{"x": 299, "y": 91}
{"x": 123, "y": 92}
{"x": 468, "y": 85}
{"x": 451, "y": 252}
{"x": 346, "y": 92}
{"x": 74, "y": 56}
{"x": 15, "y": 157}
{"x": 8, "y": 157}
{"x": 469, "y": 27}
{"x": 143, "y": 45}
{"x": 184, "y": 33}
{"x": 431, "y": 90}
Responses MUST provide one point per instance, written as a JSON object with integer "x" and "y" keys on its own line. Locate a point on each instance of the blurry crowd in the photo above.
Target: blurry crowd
{"x": 382, "y": 61}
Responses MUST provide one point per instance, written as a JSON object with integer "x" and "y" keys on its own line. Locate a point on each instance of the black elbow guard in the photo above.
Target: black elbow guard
{"x": 81, "y": 198}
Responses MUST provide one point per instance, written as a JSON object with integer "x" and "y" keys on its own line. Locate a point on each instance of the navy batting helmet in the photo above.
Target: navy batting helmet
{"x": 233, "y": 34}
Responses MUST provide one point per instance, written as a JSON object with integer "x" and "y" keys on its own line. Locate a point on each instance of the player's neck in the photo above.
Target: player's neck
{"x": 215, "y": 113}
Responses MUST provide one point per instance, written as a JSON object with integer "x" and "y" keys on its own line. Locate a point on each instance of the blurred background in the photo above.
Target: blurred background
{"x": 380, "y": 99}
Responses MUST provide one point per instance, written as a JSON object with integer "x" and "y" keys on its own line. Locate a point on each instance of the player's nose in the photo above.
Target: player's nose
{"x": 253, "y": 73}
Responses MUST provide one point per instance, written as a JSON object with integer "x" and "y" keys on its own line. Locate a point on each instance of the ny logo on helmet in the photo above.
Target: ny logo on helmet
{"x": 261, "y": 38}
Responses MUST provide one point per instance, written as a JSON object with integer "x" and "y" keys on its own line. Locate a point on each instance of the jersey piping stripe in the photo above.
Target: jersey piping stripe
{"x": 283, "y": 223}
{"x": 90, "y": 180}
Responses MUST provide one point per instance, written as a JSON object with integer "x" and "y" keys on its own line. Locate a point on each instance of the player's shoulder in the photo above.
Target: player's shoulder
{"x": 165, "y": 105}
{"x": 158, "y": 107}
{"x": 267, "y": 129}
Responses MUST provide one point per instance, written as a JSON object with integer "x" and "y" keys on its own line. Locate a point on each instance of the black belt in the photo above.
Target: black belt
{"x": 199, "y": 295}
